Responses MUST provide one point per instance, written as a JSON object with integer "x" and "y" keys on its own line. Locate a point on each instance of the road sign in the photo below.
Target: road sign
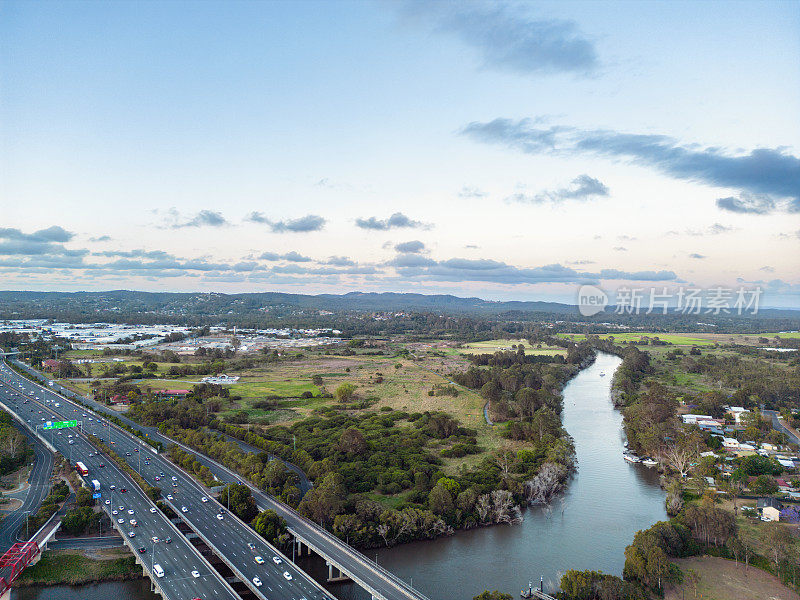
{"x": 96, "y": 495}
{"x": 59, "y": 424}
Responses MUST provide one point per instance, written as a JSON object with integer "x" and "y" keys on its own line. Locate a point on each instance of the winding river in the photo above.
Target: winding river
{"x": 606, "y": 502}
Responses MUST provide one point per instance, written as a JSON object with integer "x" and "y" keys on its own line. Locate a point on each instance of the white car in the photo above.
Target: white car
{"x": 153, "y": 509}
{"x": 169, "y": 496}
{"x": 195, "y": 574}
{"x": 174, "y": 478}
{"x": 130, "y": 511}
{"x": 184, "y": 509}
{"x": 154, "y": 539}
{"x": 203, "y": 499}
{"x": 115, "y": 512}
{"x": 219, "y": 516}
{"x": 287, "y": 576}
{"x": 277, "y": 560}
{"x": 131, "y": 534}
{"x": 257, "y": 581}
{"x": 108, "y": 501}
{"x": 259, "y": 560}
{"x": 121, "y": 521}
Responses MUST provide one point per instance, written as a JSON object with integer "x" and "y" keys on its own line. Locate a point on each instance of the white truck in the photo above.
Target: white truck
{"x": 95, "y": 485}
{"x": 158, "y": 570}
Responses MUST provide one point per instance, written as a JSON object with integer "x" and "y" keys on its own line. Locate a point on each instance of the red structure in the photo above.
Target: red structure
{"x": 17, "y": 558}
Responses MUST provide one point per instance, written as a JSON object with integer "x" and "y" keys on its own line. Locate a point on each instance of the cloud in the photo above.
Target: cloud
{"x": 289, "y": 256}
{"x": 51, "y": 234}
{"x": 767, "y": 269}
{"x": 472, "y": 247}
{"x": 300, "y": 225}
{"x": 508, "y": 39}
{"x": 582, "y": 187}
{"x": 471, "y": 192}
{"x": 39, "y": 243}
{"x": 412, "y": 247}
{"x": 151, "y": 254}
{"x": 413, "y": 266}
{"x": 397, "y": 221}
{"x": 747, "y": 204}
{"x": 696, "y": 255}
{"x": 620, "y": 248}
{"x": 767, "y": 179}
{"x": 340, "y": 261}
{"x": 205, "y": 218}
{"x": 102, "y": 238}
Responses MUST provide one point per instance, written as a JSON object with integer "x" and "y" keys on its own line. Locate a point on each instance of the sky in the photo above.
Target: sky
{"x": 511, "y": 151}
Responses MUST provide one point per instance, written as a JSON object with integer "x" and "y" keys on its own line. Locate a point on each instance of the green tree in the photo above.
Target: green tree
{"x": 269, "y": 525}
{"x": 495, "y": 595}
{"x": 345, "y": 392}
{"x": 240, "y": 500}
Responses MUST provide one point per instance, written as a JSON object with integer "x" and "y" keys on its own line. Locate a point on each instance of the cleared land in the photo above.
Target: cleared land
{"x": 677, "y": 339}
{"x": 722, "y": 579}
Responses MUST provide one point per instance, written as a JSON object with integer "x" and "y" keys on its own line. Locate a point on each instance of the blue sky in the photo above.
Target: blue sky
{"x": 509, "y": 151}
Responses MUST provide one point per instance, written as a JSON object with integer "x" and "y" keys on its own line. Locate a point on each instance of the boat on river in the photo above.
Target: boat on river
{"x": 631, "y": 457}
{"x": 649, "y": 462}
{"x": 602, "y": 374}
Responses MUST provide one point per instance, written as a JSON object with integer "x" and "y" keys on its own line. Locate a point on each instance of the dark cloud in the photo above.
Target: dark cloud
{"x": 696, "y": 255}
{"x": 412, "y": 247}
{"x": 747, "y": 204}
{"x": 301, "y": 225}
{"x": 289, "y": 256}
{"x": 768, "y": 179}
{"x": 340, "y": 261}
{"x": 205, "y": 218}
{"x": 51, "y": 234}
{"x": 508, "y": 38}
{"x": 397, "y": 221}
{"x": 582, "y": 187}
{"x": 413, "y": 266}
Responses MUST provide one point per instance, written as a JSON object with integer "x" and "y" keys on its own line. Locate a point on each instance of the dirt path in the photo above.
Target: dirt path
{"x": 722, "y": 579}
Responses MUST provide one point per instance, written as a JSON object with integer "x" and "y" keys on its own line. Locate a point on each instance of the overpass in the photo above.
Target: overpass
{"x": 24, "y": 554}
{"x": 230, "y": 541}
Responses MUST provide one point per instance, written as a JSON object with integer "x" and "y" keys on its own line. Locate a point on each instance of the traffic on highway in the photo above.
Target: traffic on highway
{"x": 266, "y": 571}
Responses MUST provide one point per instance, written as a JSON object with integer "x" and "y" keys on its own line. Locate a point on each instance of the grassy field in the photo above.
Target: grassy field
{"x": 490, "y": 346}
{"x": 677, "y": 339}
{"x": 73, "y": 567}
{"x": 722, "y": 579}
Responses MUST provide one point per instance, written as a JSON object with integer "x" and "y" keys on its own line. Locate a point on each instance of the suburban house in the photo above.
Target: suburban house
{"x": 730, "y": 443}
{"x": 221, "y": 379}
{"x": 176, "y": 394}
{"x": 691, "y": 419}
{"x": 770, "y": 508}
{"x": 736, "y": 412}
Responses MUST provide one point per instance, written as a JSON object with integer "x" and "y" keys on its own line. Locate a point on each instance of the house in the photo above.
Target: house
{"x": 221, "y": 379}
{"x": 730, "y": 443}
{"x": 766, "y": 501}
{"x": 174, "y": 393}
{"x": 736, "y": 412}
{"x": 770, "y": 514}
{"x": 785, "y": 462}
{"x": 769, "y": 447}
{"x": 690, "y": 419}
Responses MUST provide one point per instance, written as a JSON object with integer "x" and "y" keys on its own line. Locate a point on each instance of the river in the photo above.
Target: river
{"x": 606, "y": 502}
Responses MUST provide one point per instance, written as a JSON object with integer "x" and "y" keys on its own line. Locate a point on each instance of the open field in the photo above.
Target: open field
{"x": 74, "y": 567}
{"x": 722, "y": 579}
{"x": 677, "y": 339}
{"x": 491, "y": 346}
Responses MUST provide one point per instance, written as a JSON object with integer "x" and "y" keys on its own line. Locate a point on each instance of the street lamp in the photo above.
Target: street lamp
{"x": 27, "y": 519}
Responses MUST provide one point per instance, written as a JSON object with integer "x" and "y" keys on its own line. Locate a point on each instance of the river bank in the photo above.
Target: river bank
{"x": 80, "y": 567}
{"x": 588, "y": 527}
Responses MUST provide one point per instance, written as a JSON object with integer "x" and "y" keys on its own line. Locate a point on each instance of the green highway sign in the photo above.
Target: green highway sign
{"x": 59, "y": 424}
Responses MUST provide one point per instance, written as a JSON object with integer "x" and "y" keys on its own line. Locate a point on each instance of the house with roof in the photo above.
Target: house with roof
{"x": 770, "y": 508}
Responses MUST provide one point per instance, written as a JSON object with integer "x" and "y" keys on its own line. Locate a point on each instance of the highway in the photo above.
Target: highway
{"x": 177, "y": 558}
{"x": 777, "y": 425}
{"x": 39, "y": 482}
{"x": 223, "y": 532}
{"x": 382, "y": 583}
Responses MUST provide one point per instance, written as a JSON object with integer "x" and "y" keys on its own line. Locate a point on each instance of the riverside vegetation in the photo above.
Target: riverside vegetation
{"x": 383, "y": 477}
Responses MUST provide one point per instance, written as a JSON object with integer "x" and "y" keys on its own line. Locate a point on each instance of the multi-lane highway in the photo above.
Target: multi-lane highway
{"x": 39, "y": 485}
{"x": 266, "y": 571}
{"x": 138, "y": 514}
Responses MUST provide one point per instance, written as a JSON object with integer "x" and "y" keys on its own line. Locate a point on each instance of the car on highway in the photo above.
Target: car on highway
{"x": 203, "y": 499}
{"x": 219, "y": 516}
{"x": 195, "y": 573}
{"x": 168, "y": 540}
{"x": 115, "y": 511}
{"x": 174, "y": 478}
{"x": 142, "y": 550}
{"x": 154, "y": 539}
{"x": 153, "y": 509}
{"x": 108, "y": 501}
{"x": 130, "y": 511}
{"x": 277, "y": 560}
{"x": 259, "y": 560}
{"x": 184, "y": 509}
{"x": 112, "y": 486}
{"x": 121, "y": 521}
{"x": 131, "y": 534}
{"x": 134, "y": 523}
{"x": 169, "y": 496}
{"x": 256, "y": 582}
{"x": 251, "y": 545}
{"x": 287, "y": 576}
